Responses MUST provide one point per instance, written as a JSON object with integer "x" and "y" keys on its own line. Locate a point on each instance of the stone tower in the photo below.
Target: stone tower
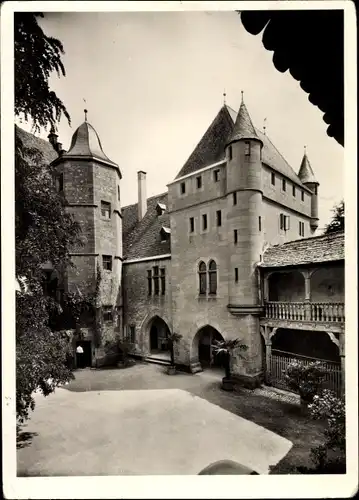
{"x": 307, "y": 177}
{"x": 90, "y": 182}
{"x": 244, "y": 203}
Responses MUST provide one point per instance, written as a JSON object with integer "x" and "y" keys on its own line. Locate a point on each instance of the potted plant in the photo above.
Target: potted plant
{"x": 224, "y": 349}
{"x": 173, "y": 338}
{"x": 305, "y": 379}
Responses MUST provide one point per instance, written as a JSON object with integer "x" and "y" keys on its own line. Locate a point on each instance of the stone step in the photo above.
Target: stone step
{"x": 157, "y": 361}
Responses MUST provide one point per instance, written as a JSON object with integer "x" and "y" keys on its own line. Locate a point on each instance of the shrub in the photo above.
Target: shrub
{"x": 328, "y": 407}
{"x": 305, "y": 379}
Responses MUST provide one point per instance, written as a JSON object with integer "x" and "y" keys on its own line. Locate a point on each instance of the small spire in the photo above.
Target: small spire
{"x": 85, "y": 111}
{"x": 264, "y": 126}
{"x": 305, "y": 150}
{"x": 224, "y": 96}
{"x": 242, "y": 95}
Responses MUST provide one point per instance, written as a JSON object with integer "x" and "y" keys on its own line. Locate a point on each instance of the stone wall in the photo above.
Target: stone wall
{"x": 140, "y": 307}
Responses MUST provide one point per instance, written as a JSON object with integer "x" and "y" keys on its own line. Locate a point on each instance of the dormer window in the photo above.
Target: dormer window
{"x": 165, "y": 233}
{"x": 160, "y": 208}
{"x": 247, "y": 148}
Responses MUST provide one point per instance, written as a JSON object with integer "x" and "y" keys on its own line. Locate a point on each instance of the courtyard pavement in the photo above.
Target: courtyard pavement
{"x": 141, "y": 421}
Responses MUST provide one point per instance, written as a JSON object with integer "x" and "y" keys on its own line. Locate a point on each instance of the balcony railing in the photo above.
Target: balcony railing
{"x": 331, "y": 312}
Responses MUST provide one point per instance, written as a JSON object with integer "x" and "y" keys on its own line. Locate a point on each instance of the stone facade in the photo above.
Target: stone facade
{"x": 233, "y": 209}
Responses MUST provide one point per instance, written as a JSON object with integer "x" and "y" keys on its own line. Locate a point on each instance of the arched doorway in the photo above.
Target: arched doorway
{"x": 203, "y": 344}
{"x": 158, "y": 335}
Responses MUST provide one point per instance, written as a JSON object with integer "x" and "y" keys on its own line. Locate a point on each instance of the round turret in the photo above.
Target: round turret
{"x": 306, "y": 175}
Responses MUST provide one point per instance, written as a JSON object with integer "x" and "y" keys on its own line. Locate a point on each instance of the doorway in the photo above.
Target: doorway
{"x": 206, "y": 355}
{"x": 84, "y": 359}
{"x": 159, "y": 333}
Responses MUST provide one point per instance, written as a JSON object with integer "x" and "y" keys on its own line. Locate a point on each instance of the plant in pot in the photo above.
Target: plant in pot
{"x": 173, "y": 339}
{"x": 225, "y": 349}
{"x": 125, "y": 346}
{"x": 305, "y": 379}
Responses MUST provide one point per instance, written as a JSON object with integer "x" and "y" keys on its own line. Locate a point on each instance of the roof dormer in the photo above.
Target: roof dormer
{"x": 160, "y": 208}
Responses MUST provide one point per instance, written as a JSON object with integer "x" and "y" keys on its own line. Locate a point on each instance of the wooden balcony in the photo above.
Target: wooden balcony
{"x": 314, "y": 313}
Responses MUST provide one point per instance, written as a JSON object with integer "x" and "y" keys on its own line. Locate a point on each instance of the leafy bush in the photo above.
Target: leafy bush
{"x": 327, "y": 406}
{"x": 305, "y": 379}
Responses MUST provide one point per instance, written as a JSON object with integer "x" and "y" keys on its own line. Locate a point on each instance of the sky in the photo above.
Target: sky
{"x": 154, "y": 81}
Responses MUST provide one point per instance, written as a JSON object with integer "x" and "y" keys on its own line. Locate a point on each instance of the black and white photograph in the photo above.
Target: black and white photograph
{"x": 179, "y": 193}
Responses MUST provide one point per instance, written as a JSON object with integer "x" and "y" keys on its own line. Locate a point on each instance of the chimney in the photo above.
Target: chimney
{"x": 142, "y": 198}
{"x": 53, "y": 137}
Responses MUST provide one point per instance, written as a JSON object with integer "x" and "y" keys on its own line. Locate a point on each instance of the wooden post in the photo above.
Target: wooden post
{"x": 268, "y": 343}
{"x": 342, "y": 362}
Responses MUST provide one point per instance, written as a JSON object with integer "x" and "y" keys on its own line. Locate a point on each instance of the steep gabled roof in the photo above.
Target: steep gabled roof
{"x": 211, "y": 148}
{"x": 143, "y": 238}
{"x": 33, "y": 142}
{"x": 313, "y": 250}
{"x": 306, "y": 173}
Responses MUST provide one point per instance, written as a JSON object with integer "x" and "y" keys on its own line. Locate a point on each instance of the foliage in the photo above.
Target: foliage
{"x": 44, "y": 231}
{"x": 337, "y": 223}
{"x": 125, "y": 346}
{"x": 328, "y": 407}
{"x": 41, "y": 355}
{"x": 173, "y": 338}
{"x": 305, "y": 379}
{"x": 36, "y": 57}
{"x": 225, "y": 348}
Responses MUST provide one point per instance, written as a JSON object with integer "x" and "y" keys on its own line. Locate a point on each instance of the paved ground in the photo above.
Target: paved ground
{"x": 152, "y": 424}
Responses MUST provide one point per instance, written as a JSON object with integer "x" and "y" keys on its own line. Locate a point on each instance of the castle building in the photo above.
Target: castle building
{"x": 207, "y": 258}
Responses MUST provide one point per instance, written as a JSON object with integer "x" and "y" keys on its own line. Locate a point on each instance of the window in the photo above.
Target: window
{"x": 107, "y": 313}
{"x": 204, "y": 222}
{"x": 273, "y": 178}
{"x": 216, "y": 175}
{"x": 260, "y": 223}
{"x": 191, "y": 224}
{"x": 236, "y": 274}
{"x": 132, "y": 331}
{"x": 294, "y": 193}
{"x": 60, "y": 183}
{"x": 302, "y": 193}
{"x": 234, "y": 198}
{"x": 106, "y": 210}
{"x": 284, "y": 222}
{"x": 235, "y": 236}
{"x": 118, "y": 193}
{"x": 301, "y": 228}
{"x": 156, "y": 280}
{"x": 107, "y": 262}
{"x": 284, "y": 185}
{"x": 212, "y": 275}
{"x": 149, "y": 282}
{"x": 202, "y": 274}
{"x": 219, "y": 217}
{"x": 163, "y": 281}
{"x": 199, "y": 182}
{"x": 247, "y": 148}
{"x": 183, "y": 187}
{"x": 230, "y": 153}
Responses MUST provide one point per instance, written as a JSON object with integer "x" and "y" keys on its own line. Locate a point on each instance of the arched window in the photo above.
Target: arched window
{"x": 202, "y": 273}
{"x": 212, "y": 276}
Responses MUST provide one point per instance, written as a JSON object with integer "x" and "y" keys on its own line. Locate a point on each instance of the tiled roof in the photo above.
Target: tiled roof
{"x": 143, "y": 238}
{"x": 243, "y": 126}
{"x": 86, "y": 142}
{"x": 306, "y": 173}
{"x": 31, "y": 141}
{"x": 211, "y": 147}
{"x": 314, "y": 250}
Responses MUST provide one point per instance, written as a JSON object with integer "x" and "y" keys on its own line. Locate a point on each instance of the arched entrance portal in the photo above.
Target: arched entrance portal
{"x": 158, "y": 333}
{"x": 205, "y": 338}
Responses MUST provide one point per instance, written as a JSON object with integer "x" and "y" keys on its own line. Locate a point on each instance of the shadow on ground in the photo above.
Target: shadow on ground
{"x": 24, "y": 439}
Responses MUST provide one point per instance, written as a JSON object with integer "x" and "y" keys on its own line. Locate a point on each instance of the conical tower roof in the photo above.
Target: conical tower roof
{"x": 86, "y": 144}
{"x": 306, "y": 174}
{"x": 243, "y": 127}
